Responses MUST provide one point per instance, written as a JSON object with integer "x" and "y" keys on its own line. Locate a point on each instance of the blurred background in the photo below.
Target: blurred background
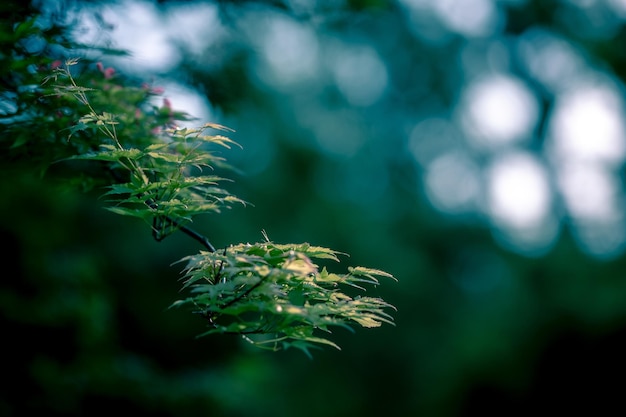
{"x": 474, "y": 149}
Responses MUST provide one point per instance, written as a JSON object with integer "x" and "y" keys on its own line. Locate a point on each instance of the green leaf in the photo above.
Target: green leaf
{"x": 25, "y": 28}
{"x": 143, "y": 214}
{"x": 361, "y": 271}
{"x": 110, "y": 155}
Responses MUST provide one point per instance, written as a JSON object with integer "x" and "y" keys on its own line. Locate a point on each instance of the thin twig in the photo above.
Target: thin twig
{"x": 188, "y": 231}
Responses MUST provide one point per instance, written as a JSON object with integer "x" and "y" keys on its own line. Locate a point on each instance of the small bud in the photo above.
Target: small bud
{"x": 107, "y": 72}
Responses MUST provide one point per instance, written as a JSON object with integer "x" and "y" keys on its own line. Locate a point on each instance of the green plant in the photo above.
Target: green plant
{"x": 114, "y": 135}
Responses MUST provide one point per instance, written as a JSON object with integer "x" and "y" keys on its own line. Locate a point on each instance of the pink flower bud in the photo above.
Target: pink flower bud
{"x": 108, "y": 73}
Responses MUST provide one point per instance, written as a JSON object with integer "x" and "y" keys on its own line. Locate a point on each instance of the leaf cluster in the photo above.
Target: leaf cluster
{"x": 277, "y": 297}
{"x": 163, "y": 175}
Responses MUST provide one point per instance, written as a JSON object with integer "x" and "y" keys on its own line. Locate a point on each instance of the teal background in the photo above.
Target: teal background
{"x": 483, "y": 327}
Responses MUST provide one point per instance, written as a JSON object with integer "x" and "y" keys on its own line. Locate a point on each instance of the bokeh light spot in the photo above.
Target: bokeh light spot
{"x": 360, "y": 74}
{"x": 431, "y": 138}
{"x": 452, "y": 182}
{"x": 518, "y": 192}
{"x": 138, "y": 28}
{"x": 467, "y": 17}
{"x": 498, "y": 110}
{"x": 549, "y": 59}
{"x": 289, "y": 48}
{"x": 587, "y": 124}
{"x": 589, "y": 191}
